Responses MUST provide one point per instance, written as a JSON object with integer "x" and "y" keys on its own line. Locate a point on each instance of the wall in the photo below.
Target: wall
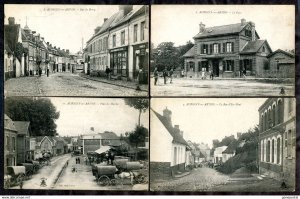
{"x": 162, "y": 138}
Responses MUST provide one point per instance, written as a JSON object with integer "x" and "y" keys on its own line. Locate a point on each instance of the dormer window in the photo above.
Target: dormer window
{"x": 263, "y": 49}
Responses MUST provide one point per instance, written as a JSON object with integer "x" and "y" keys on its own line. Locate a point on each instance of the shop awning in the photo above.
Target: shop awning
{"x": 103, "y": 149}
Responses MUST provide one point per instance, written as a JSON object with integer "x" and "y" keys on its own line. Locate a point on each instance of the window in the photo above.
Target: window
{"x": 248, "y": 33}
{"x": 228, "y": 47}
{"x": 290, "y": 105}
{"x": 273, "y": 151}
{"x": 229, "y": 65}
{"x": 289, "y": 143}
{"x": 268, "y": 150}
{"x": 135, "y": 28}
{"x": 205, "y": 49}
{"x": 14, "y": 143}
{"x": 7, "y": 143}
{"x": 114, "y": 40}
{"x": 215, "y": 48}
{"x": 263, "y": 49}
{"x": 123, "y": 38}
{"x": 142, "y": 31}
{"x": 262, "y": 150}
{"x": 100, "y": 45}
{"x": 278, "y": 151}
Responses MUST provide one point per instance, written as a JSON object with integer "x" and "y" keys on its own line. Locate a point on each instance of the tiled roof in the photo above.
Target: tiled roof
{"x": 253, "y": 46}
{"x": 11, "y": 34}
{"x": 176, "y": 135}
{"x": 22, "y": 127}
{"x": 281, "y": 51}
{"x": 190, "y": 53}
{"x": 222, "y": 30}
{"x": 9, "y": 124}
{"x": 231, "y": 147}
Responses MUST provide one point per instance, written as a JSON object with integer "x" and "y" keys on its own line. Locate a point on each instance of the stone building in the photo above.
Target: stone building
{"x": 10, "y": 142}
{"x": 120, "y": 43}
{"x": 23, "y": 141}
{"x": 170, "y": 141}
{"x": 227, "y": 50}
{"x": 277, "y": 139}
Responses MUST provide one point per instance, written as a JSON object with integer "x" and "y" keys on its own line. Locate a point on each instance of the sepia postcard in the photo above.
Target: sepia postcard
{"x": 76, "y": 143}
{"x": 223, "y": 145}
{"x": 76, "y": 50}
{"x": 222, "y": 50}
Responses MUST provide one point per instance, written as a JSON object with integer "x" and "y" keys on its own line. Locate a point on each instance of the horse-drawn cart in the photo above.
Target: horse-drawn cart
{"x": 15, "y": 175}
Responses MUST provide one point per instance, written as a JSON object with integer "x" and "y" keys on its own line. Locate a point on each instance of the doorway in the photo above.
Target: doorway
{"x": 215, "y": 64}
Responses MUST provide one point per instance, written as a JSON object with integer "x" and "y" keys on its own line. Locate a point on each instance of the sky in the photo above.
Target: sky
{"x": 62, "y": 25}
{"x": 180, "y": 23}
{"x": 78, "y": 115}
{"x": 206, "y": 119}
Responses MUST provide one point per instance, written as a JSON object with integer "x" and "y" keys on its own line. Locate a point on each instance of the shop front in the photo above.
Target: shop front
{"x": 119, "y": 61}
{"x": 140, "y": 62}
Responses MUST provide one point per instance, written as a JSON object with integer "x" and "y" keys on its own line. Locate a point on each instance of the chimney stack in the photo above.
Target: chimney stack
{"x": 168, "y": 114}
{"x": 253, "y": 36}
{"x": 11, "y": 20}
{"x": 105, "y": 19}
{"x": 125, "y": 9}
{"x": 201, "y": 27}
{"x": 243, "y": 22}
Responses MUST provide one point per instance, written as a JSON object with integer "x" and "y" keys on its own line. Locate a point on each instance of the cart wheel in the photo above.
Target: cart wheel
{"x": 103, "y": 180}
{"x": 140, "y": 178}
{"x": 115, "y": 182}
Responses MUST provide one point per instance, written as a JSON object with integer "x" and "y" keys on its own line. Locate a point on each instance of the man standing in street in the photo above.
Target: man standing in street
{"x": 155, "y": 75}
{"x": 165, "y": 74}
{"x": 48, "y": 71}
{"x": 107, "y": 71}
{"x": 171, "y": 75}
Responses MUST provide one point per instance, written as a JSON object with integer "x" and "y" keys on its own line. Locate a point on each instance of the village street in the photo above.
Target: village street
{"x": 219, "y": 87}
{"x": 64, "y": 84}
{"x": 210, "y": 180}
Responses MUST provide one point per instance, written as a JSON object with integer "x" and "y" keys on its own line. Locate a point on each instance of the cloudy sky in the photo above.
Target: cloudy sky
{"x": 180, "y": 23}
{"x": 78, "y": 115}
{"x": 203, "y": 120}
{"x": 62, "y": 25}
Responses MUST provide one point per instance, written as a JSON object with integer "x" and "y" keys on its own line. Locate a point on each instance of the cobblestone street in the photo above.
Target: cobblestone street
{"x": 219, "y": 87}
{"x": 64, "y": 84}
{"x": 200, "y": 179}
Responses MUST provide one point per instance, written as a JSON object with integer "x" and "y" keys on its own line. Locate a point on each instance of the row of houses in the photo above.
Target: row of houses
{"x": 121, "y": 43}
{"x": 179, "y": 154}
{"x": 26, "y": 52}
{"x": 20, "y": 146}
{"x": 236, "y": 49}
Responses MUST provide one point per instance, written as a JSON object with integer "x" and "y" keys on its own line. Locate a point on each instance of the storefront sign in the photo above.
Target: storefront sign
{"x": 118, "y": 49}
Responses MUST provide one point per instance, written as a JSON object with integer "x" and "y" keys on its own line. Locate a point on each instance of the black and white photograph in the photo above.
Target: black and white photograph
{"x": 76, "y": 50}
{"x": 222, "y": 50}
{"x": 76, "y": 143}
{"x": 223, "y": 145}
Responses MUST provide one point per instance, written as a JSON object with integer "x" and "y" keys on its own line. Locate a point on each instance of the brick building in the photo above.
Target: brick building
{"x": 277, "y": 139}
{"x": 227, "y": 50}
{"x": 170, "y": 141}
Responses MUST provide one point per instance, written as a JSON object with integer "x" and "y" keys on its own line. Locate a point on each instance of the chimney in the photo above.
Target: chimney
{"x": 253, "y": 36}
{"x": 201, "y": 27}
{"x": 167, "y": 114}
{"x": 92, "y": 129}
{"x": 105, "y": 19}
{"x": 125, "y": 9}
{"x": 11, "y": 20}
{"x": 243, "y": 22}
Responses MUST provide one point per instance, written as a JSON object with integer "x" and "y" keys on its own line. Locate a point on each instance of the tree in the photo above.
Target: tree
{"x": 40, "y": 112}
{"x": 141, "y": 104}
{"x": 138, "y": 136}
{"x": 167, "y": 56}
{"x": 183, "y": 49}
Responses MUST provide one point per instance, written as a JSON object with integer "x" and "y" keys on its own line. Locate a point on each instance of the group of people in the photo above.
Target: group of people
{"x": 165, "y": 74}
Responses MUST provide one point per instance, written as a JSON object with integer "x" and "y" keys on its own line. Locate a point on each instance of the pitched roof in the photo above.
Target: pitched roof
{"x": 253, "y": 46}
{"x": 22, "y": 127}
{"x": 231, "y": 147}
{"x": 9, "y": 124}
{"x": 114, "y": 140}
{"x": 190, "y": 53}
{"x": 281, "y": 51}
{"x": 222, "y": 30}
{"x": 175, "y": 134}
{"x": 11, "y": 34}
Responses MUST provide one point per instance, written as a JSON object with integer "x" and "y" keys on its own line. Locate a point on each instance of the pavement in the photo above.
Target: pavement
{"x": 122, "y": 83}
{"x": 250, "y": 87}
{"x": 65, "y": 84}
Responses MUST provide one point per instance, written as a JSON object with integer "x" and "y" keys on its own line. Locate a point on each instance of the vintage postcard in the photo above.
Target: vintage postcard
{"x": 223, "y": 145}
{"x": 222, "y": 50}
{"x": 76, "y": 143}
{"x": 76, "y": 50}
